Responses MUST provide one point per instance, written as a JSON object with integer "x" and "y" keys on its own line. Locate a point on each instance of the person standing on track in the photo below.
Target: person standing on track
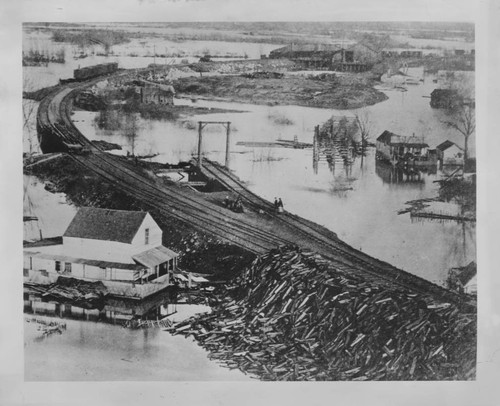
{"x": 280, "y": 205}
{"x": 276, "y": 205}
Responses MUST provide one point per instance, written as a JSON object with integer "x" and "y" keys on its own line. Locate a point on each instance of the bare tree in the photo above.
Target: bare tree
{"x": 462, "y": 114}
{"x": 463, "y": 119}
{"x": 29, "y": 111}
{"x": 363, "y": 121}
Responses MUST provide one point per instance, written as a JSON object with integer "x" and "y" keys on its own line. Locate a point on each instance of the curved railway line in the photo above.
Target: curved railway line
{"x": 189, "y": 207}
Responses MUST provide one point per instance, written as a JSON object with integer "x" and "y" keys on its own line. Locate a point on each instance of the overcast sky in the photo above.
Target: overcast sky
{"x": 250, "y": 10}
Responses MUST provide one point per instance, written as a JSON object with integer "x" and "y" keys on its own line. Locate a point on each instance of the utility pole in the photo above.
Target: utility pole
{"x": 201, "y": 126}
{"x": 228, "y": 142}
{"x": 200, "y": 129}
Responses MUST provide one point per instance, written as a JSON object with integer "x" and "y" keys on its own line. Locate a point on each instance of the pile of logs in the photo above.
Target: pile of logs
{"x": 293, "y": 316}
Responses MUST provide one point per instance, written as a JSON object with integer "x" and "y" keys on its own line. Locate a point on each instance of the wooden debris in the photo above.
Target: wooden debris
{"x": 137, "y": 323}
{"x": 295, "y": 317}
{"x": 85, "y": 294}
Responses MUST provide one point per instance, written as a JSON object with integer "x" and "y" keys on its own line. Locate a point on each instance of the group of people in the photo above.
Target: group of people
{"x": 278, "y": 205}
{"x": 234, "y": 205}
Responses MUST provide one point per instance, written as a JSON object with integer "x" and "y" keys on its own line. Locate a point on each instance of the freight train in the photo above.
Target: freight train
{"x": 89, "y": 72}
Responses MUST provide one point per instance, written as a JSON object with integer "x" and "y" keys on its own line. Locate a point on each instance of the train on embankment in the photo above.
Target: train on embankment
{"x": 52, "y": 133}
{"x": 89, "y": 72}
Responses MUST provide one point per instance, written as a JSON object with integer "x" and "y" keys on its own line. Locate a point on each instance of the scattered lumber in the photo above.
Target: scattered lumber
{"x": 47, "y": 327}
{"x": 86, "y": 294}
{"x": 137, "y": 323}
{"x": 292, "y": 315}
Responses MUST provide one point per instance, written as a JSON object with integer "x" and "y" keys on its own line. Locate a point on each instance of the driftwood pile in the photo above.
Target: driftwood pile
{"x": 293, "y": 316}
{"x": 137, "y": 324}
{"x": 85, "y": 294}
{"x": 47, "y": 327}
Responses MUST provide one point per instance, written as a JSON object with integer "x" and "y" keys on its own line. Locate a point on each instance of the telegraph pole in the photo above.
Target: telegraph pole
{"x": 201, "y": 126}
{"x": 228, "y": 142}
{"x": 200, "y": 130}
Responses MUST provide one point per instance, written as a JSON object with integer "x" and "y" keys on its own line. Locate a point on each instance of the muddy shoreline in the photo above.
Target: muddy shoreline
{"x": 341, "y": 92}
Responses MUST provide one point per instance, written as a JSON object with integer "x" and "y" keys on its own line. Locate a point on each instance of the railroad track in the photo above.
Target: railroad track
{"x": 186, "y": 206}
{"x": 334, "y": 249}
{"x": 174, "y": 201}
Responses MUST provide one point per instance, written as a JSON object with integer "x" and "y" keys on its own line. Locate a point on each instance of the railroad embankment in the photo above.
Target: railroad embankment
{"x": 257, "y": 231}
{"x": 199, "y": 252}
{"x": 291, "y": 315}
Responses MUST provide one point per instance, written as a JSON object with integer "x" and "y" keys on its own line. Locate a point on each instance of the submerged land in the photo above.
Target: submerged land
{"x": 288, "y": 313}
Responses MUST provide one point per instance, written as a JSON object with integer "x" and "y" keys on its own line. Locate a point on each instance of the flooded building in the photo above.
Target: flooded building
{"x": 123, "y": 249}
{"x": 449, "y": 153}
{"x": 402, "y": 53}
{"x": 404, "y": 151}
{"x": 445, "y": 99}
{"x": 463, "y": 279}
{"x": 327, "y": 56}
{"x": 156, "y": 93}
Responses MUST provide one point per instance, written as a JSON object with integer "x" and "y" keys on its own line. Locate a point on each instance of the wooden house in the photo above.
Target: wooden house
{"x": 449, "y": 153}
{"x": 463, "y": 279}
{"x": 156, "y": 93}
{"x": 404, "y": 151}
{"x": 123, "y": 249}
{"x": 445, "y": 99}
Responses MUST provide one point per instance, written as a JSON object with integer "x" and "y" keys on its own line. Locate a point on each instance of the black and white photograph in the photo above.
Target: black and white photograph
{"x": 226, "y": 195}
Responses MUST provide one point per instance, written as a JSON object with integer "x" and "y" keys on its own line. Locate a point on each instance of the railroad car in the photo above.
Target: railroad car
{"x": 77, "y": 149}
{"x": 89, "y": 72}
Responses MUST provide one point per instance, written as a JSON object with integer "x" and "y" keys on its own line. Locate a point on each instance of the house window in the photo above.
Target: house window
{"x": 146, "y": 236}
{"x": 67, "y": 267}
{"x": 58, "y": 266}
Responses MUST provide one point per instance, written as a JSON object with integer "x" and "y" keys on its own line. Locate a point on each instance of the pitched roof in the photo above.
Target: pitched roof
{"x": 398, "y": 140}
{"x": 445, "y": 145}
{"x": 306, "y": 48}
{"x": 105, "y": 224}
{"x": 467, "y": 273}
{"x": 444, "y": 94}
{"x": 386, "y": 136}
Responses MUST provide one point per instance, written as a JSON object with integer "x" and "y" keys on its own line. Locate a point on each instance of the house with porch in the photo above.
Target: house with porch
{"x": 123, "y": 249}
{"x": 404, "y": 151}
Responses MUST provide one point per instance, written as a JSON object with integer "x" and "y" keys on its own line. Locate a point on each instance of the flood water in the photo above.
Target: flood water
{"x": 359, "y": 203}
{"x": 94, "y": 351}
{"x": 138, "y": 53}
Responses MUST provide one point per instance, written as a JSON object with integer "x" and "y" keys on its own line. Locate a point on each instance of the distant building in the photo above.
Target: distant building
{"x": 445, "y": 98}
{"x": 356, "y": 58}
{"x": 159, "y": 94}
{"x": 464, "y": 279}
{"x": 156, "y": 93}
{"x": 123, "y": 249}
{"x": 404, "y": 151}
{"x": 402, "y": 53}
{"x": 449, "y": 153}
